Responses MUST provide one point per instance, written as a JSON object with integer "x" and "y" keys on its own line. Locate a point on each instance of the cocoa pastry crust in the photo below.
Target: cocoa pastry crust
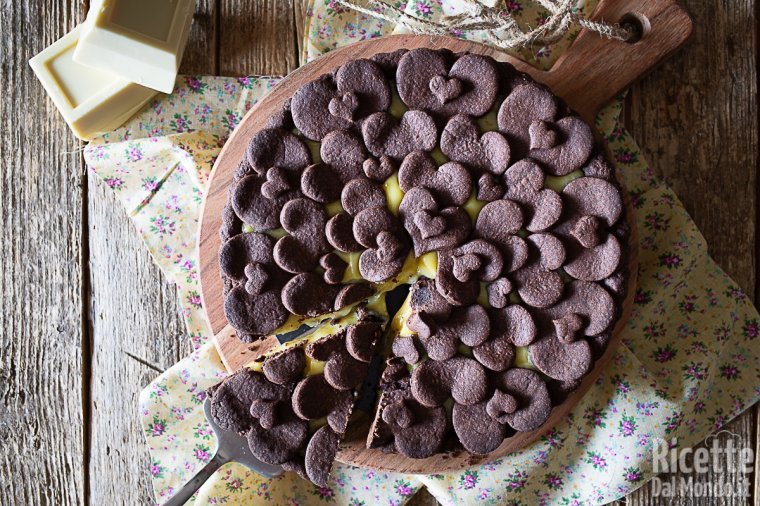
{"x": 377, "y": 165}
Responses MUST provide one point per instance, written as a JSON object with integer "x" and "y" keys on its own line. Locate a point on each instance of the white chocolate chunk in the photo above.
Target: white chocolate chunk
{"x": 91, "y": 100}
{"x": 141, "y": 41}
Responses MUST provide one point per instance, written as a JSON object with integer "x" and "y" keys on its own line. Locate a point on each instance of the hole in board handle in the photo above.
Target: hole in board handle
{"x": 638, "y": 24}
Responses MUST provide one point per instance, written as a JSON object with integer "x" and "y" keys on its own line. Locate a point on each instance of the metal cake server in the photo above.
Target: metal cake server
{"x": 232, "y": 448}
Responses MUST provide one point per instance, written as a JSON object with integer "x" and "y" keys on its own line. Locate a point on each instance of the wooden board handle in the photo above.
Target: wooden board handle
{"x": 595, "y": 69}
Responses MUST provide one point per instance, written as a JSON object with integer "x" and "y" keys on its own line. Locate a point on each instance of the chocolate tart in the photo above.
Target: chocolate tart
{"x": 454, "y": 174}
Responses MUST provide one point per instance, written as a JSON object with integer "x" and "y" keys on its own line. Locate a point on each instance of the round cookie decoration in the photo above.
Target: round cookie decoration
{"x": 456, "y": 175}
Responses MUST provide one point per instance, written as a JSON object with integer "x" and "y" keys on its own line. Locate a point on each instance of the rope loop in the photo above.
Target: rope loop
{"x": 477, "y": 16}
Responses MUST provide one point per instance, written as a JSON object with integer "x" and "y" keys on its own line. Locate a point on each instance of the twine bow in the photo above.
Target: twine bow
{"x": 477, "y": 16}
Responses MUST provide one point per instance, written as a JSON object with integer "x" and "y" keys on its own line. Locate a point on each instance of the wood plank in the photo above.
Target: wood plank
{"x": 201, "y": 55}
{"x": 300, "y": 8}
{"x": 41, "y": 342}
{"x": 136, "y": 333}
{"x": 257, "y": 37}
{"x": 135, "y": 324}
{"x": 696, "y": 121}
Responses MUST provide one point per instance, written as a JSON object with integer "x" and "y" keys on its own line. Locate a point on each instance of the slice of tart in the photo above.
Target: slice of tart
{"x": 294, "y": 404}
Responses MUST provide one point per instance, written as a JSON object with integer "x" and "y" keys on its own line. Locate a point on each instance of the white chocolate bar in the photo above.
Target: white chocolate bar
{"x": 141, "y": 41}
{"x": 91, "y": 100}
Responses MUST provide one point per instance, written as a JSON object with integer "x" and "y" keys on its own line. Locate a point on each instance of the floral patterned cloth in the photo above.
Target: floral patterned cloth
{"x": 689, "y": 362}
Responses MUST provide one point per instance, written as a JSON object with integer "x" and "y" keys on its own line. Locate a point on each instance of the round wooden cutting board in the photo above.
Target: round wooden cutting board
{"x": 590, "y": 73}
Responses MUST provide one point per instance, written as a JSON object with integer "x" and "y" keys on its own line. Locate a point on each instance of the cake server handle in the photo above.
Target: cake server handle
{"x": 188, "y": 489}
{"x": 232, "y": 448}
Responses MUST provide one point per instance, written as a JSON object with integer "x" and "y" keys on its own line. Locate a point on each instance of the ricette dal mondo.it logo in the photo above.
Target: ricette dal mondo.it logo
{"x": 723, "y": 455}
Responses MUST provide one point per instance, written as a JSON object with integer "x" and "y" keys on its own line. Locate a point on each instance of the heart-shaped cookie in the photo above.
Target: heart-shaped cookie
{"x": 257, "y": 278}
{"x": 379, "y": 170}
{"x": 458, "y": 276}
{"x": 320, "y": 183}
{"x": 450, "y": 183}
{"x": 387, "y": 245}
{"x": 344, "y": 106}
{"x": 596, "y": 204}
{"x": 596, "y": 263}
{"x": 525, "y": 181}
{"x": 432, "y": 229}
{"x": 334, "y": 267}
{"x": 468, "y": 325}
{"x": 576, "y": 143}
{"x": 357, "y": 89}
{"x": 462, "y": 378}
{"x": 426, "y": 81}
{"x": 307, "y": 294}
{"x": 586, "y": 231}
{"x": 254, "y": 314}
{"x": 537, "y": 286}
{"x": 534, "y": 404}
{"x": 591, "y": 302}
{"x": 242, "y": 250}
{"x": 362, "y": 193}
{"x": 461, "y": 141}
{"x": 489, "y": 188}
{"x": 352, "y": 293}
{"x": 445, "y": 89}
{"x": 541, "y": 135}
{"x": 558, "y": 360}
{"x": 551, "y": 251}
{"x": 273, "y": 147}
{"x": 478, "y": 431}
{"x": 340, "y": 233}
{"x": 498, "y": 222}
{"x": 344, "y": 152}
{"x": 253, "y": 207}
{"x": 276, "y": 184}
{"x": 567, "y": 327}
{"x": 466, "y": 266}
{"x": 428, "y": 224}
{"x": 384, "y": 135}
{"x": 498, "y": 292}
{"x": 305, "y": 221}
{"x": 526, "y": 104}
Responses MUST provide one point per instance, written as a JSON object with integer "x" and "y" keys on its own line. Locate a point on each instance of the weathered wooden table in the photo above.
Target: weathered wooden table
{"x": 87, "y": 320}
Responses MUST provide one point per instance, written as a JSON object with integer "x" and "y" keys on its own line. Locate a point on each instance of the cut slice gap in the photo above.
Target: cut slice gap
{"x": 284, "y": 399}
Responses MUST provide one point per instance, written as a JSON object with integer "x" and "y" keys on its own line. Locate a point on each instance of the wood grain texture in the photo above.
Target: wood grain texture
{"x": 696, "y": 120}
{"x": 136, "y": 333}
{"x": 41, "y": 345}
{"x": 300, "y": 9}
{"x": 135, "y": 326}
{"x": 201, "y": 54}
{"x": 741, "y": 427}
{"x": 589, "y": 73}
{"x": 258, "y": 37}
